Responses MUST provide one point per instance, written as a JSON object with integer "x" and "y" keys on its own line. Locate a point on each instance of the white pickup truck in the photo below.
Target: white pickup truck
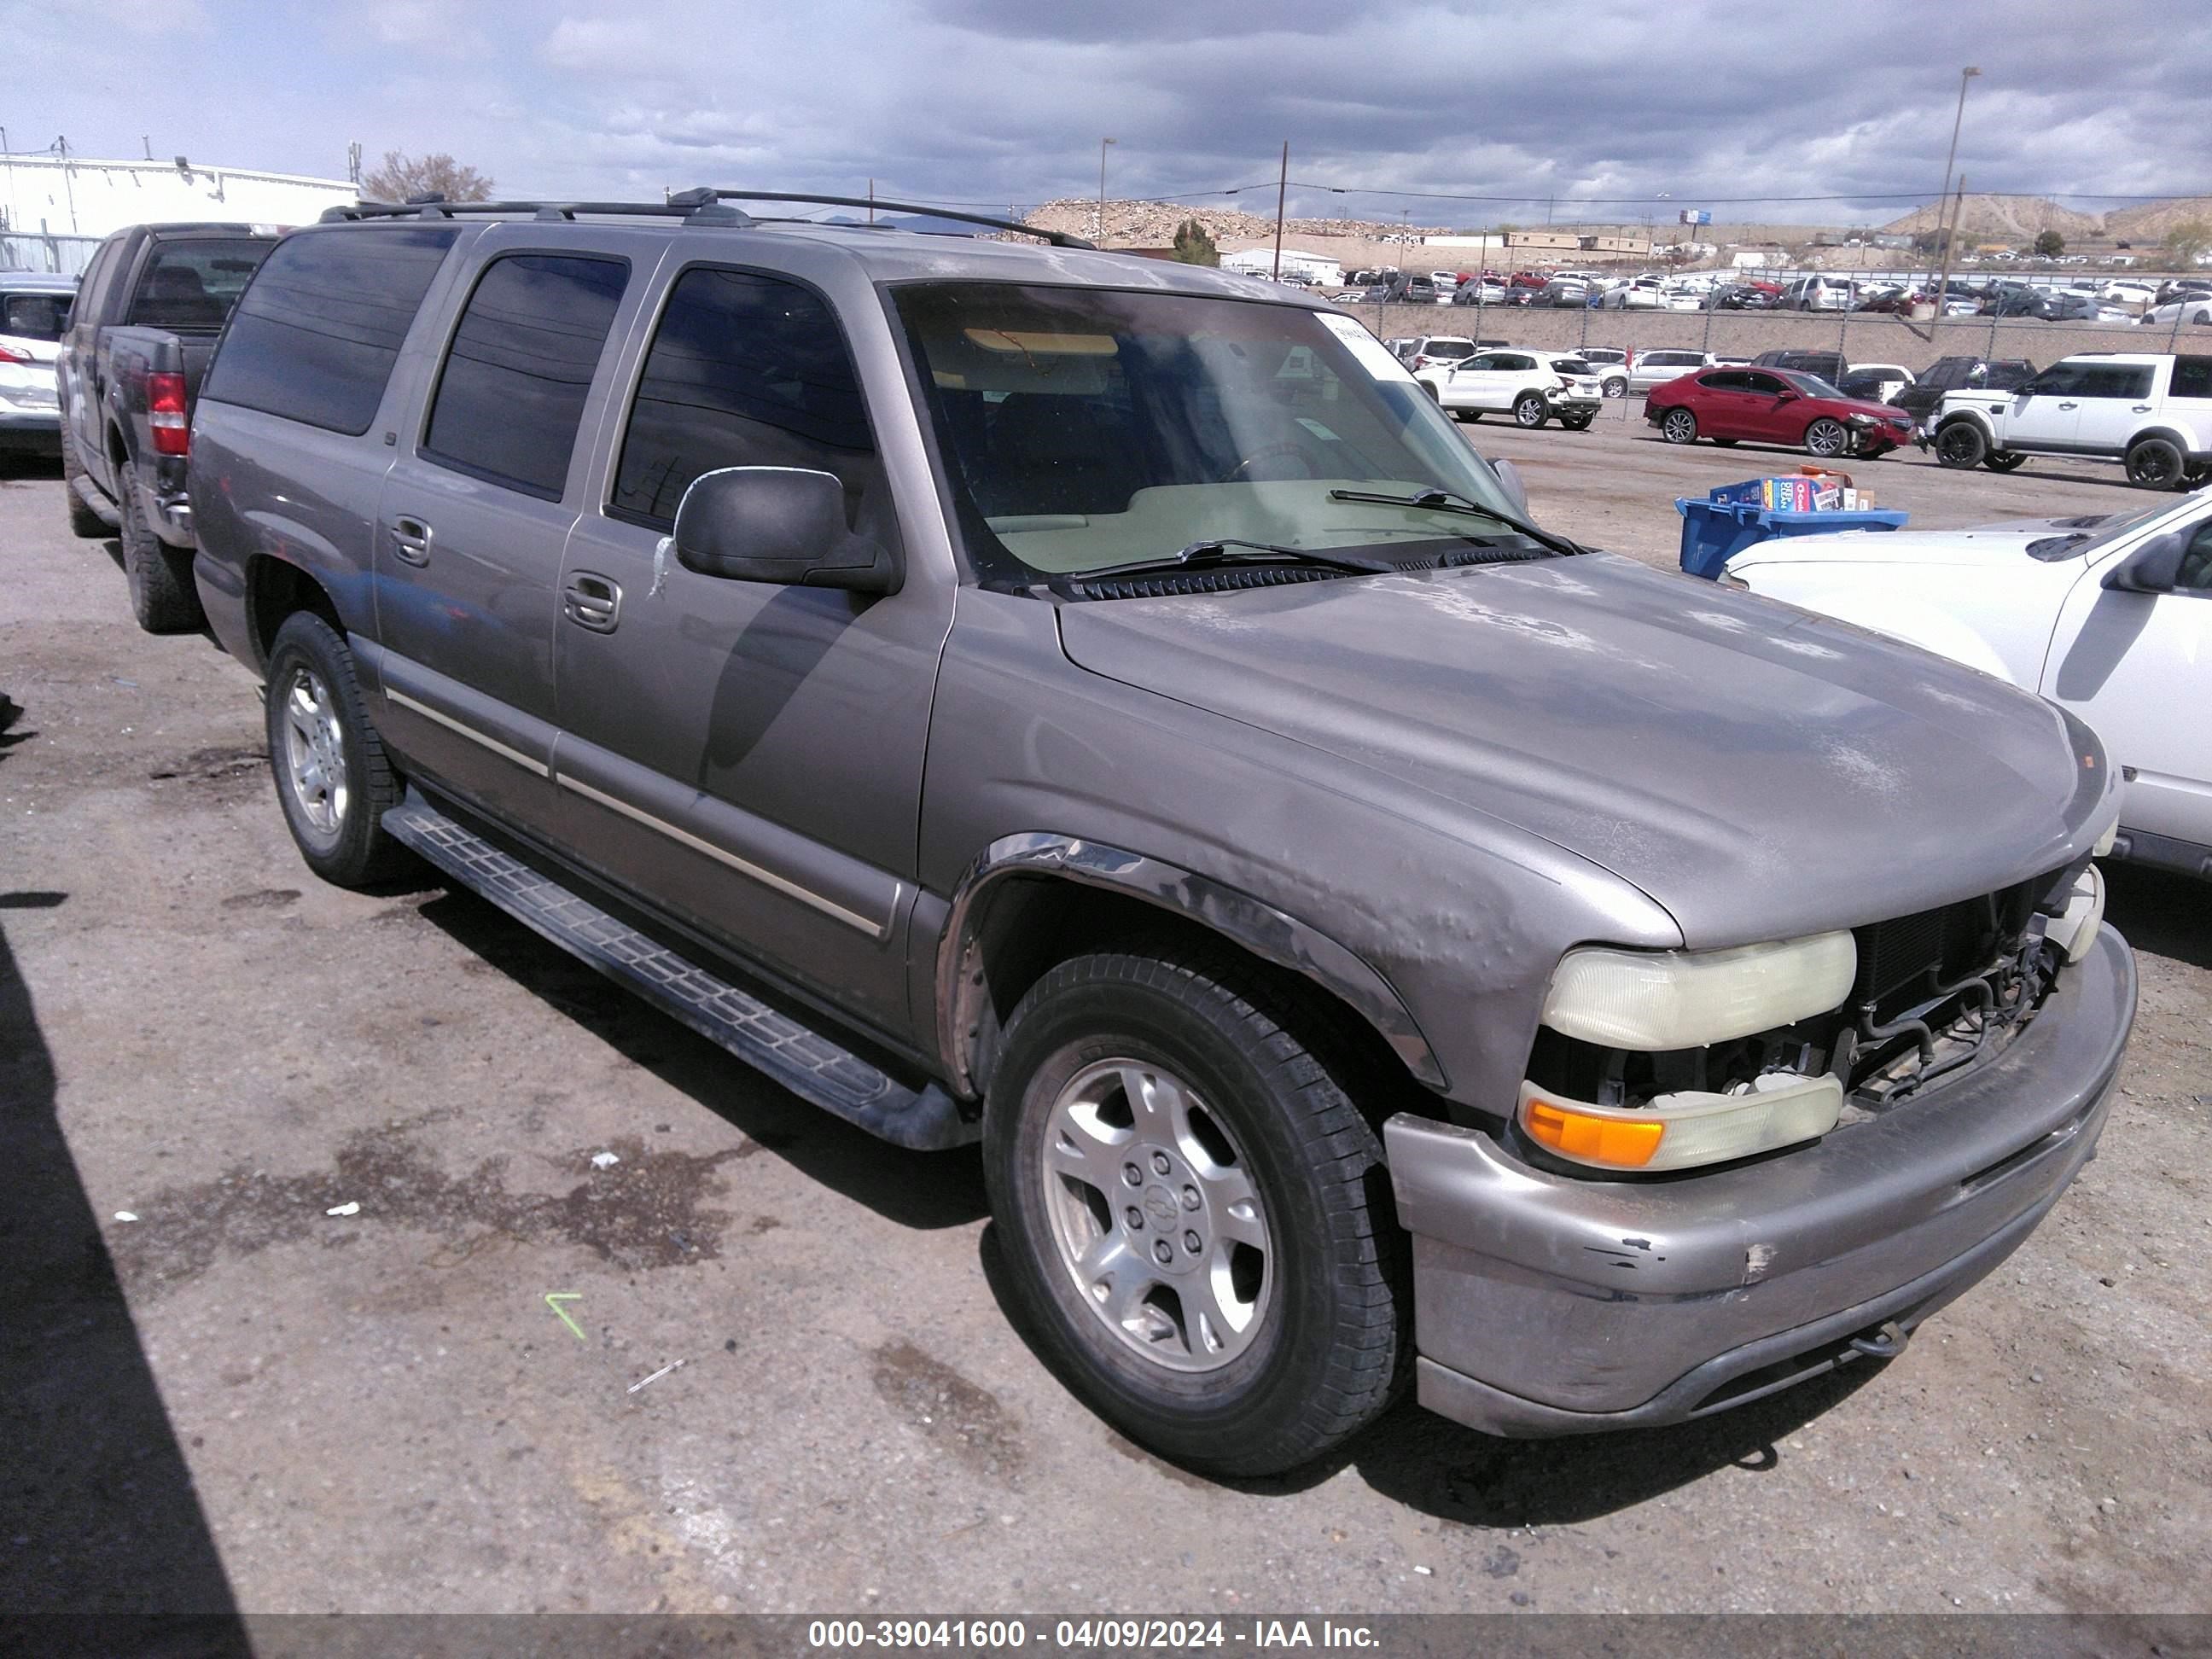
{"x": 2150, "y": 410}
{"x": 2109, "y": 616}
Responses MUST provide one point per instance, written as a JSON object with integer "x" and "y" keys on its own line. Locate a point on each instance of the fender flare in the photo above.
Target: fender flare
{"x": 2180, "y": 439}
{"x": 1256, "y": 926}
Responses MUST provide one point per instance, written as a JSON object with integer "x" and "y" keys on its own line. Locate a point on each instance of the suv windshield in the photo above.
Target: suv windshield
{"x": 1083, "y": 428}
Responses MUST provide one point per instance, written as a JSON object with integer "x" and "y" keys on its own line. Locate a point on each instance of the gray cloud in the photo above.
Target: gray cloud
{"x": 1001, "y": 102}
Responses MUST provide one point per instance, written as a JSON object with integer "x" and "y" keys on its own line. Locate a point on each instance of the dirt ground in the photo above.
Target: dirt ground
{"x": 239, "y": 1399}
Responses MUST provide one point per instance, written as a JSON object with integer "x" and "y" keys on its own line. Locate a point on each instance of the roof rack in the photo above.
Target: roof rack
{"x": 704, "y": 205}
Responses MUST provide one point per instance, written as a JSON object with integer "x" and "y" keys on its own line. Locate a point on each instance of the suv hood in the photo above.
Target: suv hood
{"x": 1758, "y": 770}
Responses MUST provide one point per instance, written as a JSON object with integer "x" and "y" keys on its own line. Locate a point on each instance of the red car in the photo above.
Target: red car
{"x": 1774, "y": 406}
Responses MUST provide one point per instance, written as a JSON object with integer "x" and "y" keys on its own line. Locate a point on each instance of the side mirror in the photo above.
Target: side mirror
{"x": 2154, "y": 567}
{"x": 1785, "y": 397}
{"x": 1508, "y": 480}
{"x": 777, "y": 524}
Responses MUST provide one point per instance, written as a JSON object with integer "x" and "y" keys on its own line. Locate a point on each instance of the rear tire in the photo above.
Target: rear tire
{"x": 1615, "y": 387}
{"x": 83, "y": 522}
{"x": 1184, "y": 1066}
{"x": 162, "y": 596}
{"x": 1679, "y": 426}
{"x": 333, "y": 778}
{"x": 1528, "y": 411}
{"x": 1961, "y": 445}
{"x": 2156, "y": 464}
{"x": 2004, "y": 460}
{"x": 1577, "y": 422}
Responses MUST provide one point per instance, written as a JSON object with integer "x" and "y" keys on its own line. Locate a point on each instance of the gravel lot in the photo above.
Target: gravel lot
{"x": 238, "y": 1399}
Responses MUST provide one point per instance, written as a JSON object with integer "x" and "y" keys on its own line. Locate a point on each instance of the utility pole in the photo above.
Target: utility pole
{"x": 1948, "y": 237}
{"x": 872, "y": 201}
{"x": 1282, "y": 183}
{"x": 1099, "y": 228}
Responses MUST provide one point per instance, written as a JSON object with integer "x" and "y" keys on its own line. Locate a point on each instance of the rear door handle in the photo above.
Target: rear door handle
{"x": 410, "y": 541}
{"x": 2141, "y": 409}
{"x": 593, "y": 601}
{"x": 2069, "y": 405}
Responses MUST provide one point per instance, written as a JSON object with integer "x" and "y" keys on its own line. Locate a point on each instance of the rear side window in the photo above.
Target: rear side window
{"x": 193, "y": 284}
{"x": 34, "y": 316}
{"x": 511, "y": 393}
{"x": 2192, "y": 378}
{"x": 744, "y": 370}
{"x": 315, "y": 336}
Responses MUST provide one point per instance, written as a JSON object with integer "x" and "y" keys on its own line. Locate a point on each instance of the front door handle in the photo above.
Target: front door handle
{"x": 593, "y": 601}
{"x": 2069, "y": 405}
{"x": 410, "y": 541}
{"x": 2141, "y": 409}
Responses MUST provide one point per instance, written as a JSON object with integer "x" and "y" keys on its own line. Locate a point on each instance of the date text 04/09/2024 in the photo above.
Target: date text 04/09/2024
{"x": 1126, "y": 1635}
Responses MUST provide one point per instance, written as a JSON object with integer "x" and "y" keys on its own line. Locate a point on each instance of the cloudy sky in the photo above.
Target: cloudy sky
{"x": 998, "y": 101}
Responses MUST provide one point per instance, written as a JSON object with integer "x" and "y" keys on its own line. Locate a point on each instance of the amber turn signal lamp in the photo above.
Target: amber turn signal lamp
{"x": 1592, "y": 1139}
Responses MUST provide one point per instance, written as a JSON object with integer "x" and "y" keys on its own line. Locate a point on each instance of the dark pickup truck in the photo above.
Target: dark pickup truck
{"x": 152, "y": 302}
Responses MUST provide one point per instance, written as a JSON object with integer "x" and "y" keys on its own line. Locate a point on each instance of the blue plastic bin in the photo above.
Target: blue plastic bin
{"x": 1714, "y": 531}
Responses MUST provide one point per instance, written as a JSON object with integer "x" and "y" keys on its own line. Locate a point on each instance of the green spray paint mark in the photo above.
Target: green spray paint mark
{"x": 555, "y": 1298}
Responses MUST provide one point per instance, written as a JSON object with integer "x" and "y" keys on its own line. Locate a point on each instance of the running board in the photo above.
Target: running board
{"x": 103, "y": 509}
{"x": 802, "y": 1060}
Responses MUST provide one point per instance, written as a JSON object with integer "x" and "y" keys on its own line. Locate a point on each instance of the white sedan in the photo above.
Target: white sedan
{"x": 1532, "y": 387}
{"x": 2110, "y": 617}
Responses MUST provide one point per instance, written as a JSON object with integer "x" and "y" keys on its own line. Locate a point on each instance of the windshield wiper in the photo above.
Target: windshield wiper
{"x": 1448, "y": 500}
{"x": 1216, "y": 551}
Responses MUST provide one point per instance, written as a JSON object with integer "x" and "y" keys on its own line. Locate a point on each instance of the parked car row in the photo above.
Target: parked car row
{"x": 34, "y": 311}
{"x": 780, "y": 615}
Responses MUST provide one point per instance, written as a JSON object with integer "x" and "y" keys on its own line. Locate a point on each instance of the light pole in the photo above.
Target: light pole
{"x": 1943, "y": 235}
{"x": 1098, "y": 229}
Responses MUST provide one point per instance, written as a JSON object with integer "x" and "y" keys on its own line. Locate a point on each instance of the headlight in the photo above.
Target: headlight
{"x": 2103, "y": 849}
{"x": 1860, "y": 420}
{"x": 1728, "y": 579}
{"x": 2074, "y": 930}
{"x": 1660, "y": 1000}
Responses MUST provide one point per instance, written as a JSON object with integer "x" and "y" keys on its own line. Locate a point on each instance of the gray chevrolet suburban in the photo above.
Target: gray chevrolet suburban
{"x": 1102, "y": 708}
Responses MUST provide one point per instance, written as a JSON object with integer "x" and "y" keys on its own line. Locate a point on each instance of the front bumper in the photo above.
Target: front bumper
{"x": 1547, "y": 1304}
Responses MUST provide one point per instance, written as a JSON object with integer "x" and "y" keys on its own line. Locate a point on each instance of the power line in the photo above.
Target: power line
{"x": 1737, "y": 201}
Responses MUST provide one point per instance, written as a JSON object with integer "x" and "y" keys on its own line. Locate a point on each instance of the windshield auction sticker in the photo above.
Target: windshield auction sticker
{"x": 1374, "y": 357}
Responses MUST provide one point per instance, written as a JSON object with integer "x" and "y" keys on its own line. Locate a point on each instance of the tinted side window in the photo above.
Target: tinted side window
{"x": 2059, "y": 381}
{"x": 744, "y": 370}
{"x": 316, "y": 335}
{"x": 2192, "y": 378}
{"x": 99, "y": 276}
{"x": 193, "y": 284}
{"x": 2117, "y": 380}
{"x": 1728, "y": 379}
{"x": 1769, "y": 386}
{"x": 511, "y": 395}
{"x": 34, "y": 316}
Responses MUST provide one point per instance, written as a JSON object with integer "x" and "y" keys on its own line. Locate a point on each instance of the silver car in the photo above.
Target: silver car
{"x": 1104, "y": 710}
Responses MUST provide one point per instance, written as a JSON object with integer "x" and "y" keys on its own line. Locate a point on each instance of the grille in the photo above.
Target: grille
{"x": 1905, "y": 960}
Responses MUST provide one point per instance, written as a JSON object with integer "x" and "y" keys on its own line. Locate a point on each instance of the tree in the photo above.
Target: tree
{"x": 2050, "y": 244}
{"x": 1931, "y": 242}
{"x": 2188, "y": 239}
{"x": 1193, "y": 246}
{"x": 402, "y": 176}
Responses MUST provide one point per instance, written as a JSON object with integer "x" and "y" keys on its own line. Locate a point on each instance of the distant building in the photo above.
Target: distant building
{"x": 46, "y": 197}
{"x": 1638, "y": 246}
{"x": 1543, "y": 241}
{"x": 1322, "y": 270}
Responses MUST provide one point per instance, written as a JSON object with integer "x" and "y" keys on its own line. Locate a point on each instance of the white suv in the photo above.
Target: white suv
{"x": 1533, "y": 386}
{"x": 2151, "y": 410}
{"x": 1647, "y": 369}
{"x": 2110, "y": 617}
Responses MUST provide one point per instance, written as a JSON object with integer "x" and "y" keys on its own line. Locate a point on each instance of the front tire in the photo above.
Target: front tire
{"x": 2156, "y": 464}
{"x": 1961, "y": 444}
{"x": 1196, "y": 1218}
{"x": 1827, "y": 440}
{"x": 1679, "y": 426}
{"x": 162, "y": 596}
{"x": 333, "y": 778}
{"x": 83, "y": 522}
{"x": 1528, "y": 411}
